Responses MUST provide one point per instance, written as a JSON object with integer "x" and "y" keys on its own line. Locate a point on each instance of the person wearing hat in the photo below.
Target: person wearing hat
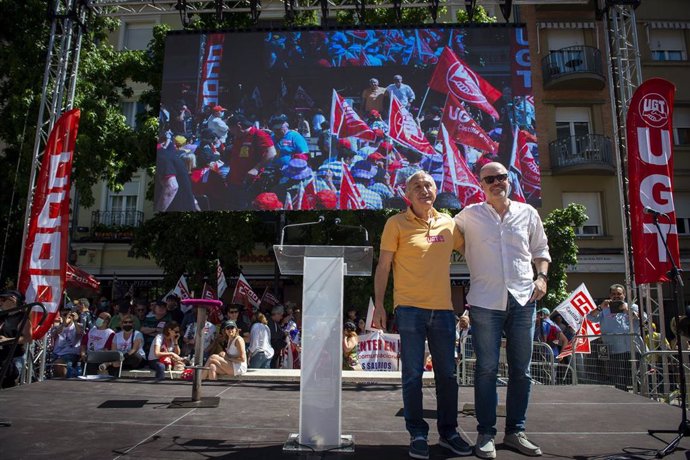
{"x": 546, "y": 331}
{"x": 377, "y": 124}
{"x": 278, "y": 335}
{"x": 11, "y": 330}
{"x": 232, "y": 360}
{"x": 296, "y": 174}
{"x": 267, "y": 201}
{"x": 288, "y": 141}
{"x": 173, "y": 187}
{"x": 417, "y": 246}
{"x": 373, "y": 96}
{"x": 344, "y": 154}
{"x": 363, "y": 173}
{"x": 217, "y": 124}
{"x": 413, "y": 158}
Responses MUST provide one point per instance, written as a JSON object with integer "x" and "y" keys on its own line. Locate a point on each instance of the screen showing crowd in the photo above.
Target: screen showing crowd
{"x": 300, "y": 120}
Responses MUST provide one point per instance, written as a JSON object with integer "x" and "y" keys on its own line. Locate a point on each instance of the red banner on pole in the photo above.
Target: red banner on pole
{"x": 44, "y": 262}
{"x": 649, "y": 126}
{"x": 79, "y": 278}
{"x": 209, "y": 78}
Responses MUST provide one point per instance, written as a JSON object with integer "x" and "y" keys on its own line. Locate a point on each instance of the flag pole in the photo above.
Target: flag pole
{"x": 423, "y": 102}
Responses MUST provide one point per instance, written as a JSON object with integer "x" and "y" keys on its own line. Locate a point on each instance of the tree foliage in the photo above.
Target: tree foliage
{"x": 559, "y": 226}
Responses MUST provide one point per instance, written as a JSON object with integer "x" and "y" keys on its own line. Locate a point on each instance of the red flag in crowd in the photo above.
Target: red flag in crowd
{"x": 346, "y": 123}
{"x": 403, "y": 128}
{"x": 350, "y": 197}
{"x": 214, "y": 313}
{"x": 77, "y": 277}
{"x": 306, "y": 198}
{"x": 453, "y": 76}
{"x": 222, "y": 283}
{"x": 44, "y": 260}
{"x": 268, "y": 300}
{"x": 244, "y": 295}
{"x": 288, "y": 202}
{"x": 463, "y": 129}
{"x": 457, "y": 177}
{"x": 208, "y": 292}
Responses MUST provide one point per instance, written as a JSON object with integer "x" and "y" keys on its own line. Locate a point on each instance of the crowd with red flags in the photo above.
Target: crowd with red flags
{"x": 336, "y": 145}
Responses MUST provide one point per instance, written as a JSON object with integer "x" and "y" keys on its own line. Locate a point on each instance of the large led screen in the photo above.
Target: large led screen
{"x": 339, "y": 119}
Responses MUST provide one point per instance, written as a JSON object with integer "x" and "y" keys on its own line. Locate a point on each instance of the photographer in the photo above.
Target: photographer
{"x": 613, "y": 316}
{"x": 10, "y": 330}
{"x": 66, "y": 334}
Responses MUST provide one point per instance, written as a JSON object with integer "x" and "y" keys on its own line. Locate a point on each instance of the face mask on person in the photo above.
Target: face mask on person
{"x": 127, "y": 327}
{"x": 100, "y": 322}
{"x": 104, "y": 304}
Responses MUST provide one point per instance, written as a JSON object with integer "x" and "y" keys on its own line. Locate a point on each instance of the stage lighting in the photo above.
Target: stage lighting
{"x": 360, "y": 8}
{"x": 433, "y": 7}
{"x": 181, "y": 6}
{"x": 289, "y": 10}
{"x": 470, "y": 6}
{"x": 255, "y": 10}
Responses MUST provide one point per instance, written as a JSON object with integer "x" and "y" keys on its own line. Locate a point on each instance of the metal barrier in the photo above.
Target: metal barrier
{"x": 542, "y": 369}
{"x": 609, "y": 361}
{"x": 659, "y": 375}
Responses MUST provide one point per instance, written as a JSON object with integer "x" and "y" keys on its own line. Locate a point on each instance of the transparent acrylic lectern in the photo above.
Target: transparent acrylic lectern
{"x": 324, "y": 269}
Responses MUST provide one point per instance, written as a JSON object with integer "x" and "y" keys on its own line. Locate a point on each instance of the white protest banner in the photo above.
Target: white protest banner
{"x": 578, "y": 305}
{"x": 370, "y": 316}
{"x": 379, "y": 351}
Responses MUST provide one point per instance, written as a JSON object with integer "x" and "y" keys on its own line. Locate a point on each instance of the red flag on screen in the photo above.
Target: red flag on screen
{"x": 346, "y": 123}
{"x": 350, "y": 197}
{"x": 404, "y": 129}
{"x": 457, "y": 177}
{"x": 453, "y": 76}
{"x": 463, "y": 129}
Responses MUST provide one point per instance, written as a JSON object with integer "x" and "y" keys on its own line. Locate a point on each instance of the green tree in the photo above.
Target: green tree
{"x": 559, "y": 226}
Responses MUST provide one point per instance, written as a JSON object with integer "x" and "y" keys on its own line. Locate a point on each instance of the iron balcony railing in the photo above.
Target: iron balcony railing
{"x": 583, "y": 151}
{"x": 115, "y": 225}
{"x": 571, "y": 60}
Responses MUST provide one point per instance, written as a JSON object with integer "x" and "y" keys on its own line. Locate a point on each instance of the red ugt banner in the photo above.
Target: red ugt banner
{"x": 44, "y": 263}
{"x": 650, "y": 173}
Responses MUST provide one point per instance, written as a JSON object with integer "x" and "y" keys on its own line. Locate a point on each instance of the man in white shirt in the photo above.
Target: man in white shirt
{"x": 502, "y": 240}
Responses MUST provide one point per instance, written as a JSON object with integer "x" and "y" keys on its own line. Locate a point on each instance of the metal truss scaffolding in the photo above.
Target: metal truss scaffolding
{"x": 121, "y": 8}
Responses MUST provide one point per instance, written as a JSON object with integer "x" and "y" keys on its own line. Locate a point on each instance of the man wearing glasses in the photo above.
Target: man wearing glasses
{"x": 503, "y": 238}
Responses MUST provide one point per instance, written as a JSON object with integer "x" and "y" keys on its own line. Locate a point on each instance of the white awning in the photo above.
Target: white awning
{"x": 668, "y": 25}
{"x": 566, "y": 25}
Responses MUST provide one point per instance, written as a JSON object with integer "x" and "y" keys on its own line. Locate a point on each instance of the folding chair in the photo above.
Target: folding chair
{"x": 100, "y": 357}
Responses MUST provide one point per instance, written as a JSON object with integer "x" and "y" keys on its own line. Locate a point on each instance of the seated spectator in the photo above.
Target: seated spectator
{"x": 86, "y": 319}
{"x": 165, "y": 351}
{"x": 154, "y": 324}
{"x": 66, "y": 334}
{"x": 232, "y": 360}
{"x": 232, "y": 312}
{"x": 548, "y": 332}
{"x": 350, "y": 347}
{"x": 189, "y": 339}
{"x": 260, "y": 349}
{"x": 124, "y": 309}
{"x": 10, "y": 330}
{"x": 99, "y": 338}
{"x": 130, "y": 342}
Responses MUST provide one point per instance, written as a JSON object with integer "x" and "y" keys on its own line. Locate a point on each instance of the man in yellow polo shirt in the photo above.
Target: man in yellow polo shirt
{"x": 417, "y": 244}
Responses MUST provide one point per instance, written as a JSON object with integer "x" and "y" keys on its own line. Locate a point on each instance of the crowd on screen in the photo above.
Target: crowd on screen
{"x": 229, "y": 159}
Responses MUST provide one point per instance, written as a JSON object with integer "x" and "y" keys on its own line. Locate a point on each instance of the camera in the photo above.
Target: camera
{"x": 616, "y": 306}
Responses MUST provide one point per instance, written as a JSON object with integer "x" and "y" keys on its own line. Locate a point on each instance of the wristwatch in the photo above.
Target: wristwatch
{"x": 543, "y": 275}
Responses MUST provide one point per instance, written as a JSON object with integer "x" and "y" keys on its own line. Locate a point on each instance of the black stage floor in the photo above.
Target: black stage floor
{"x": 127, "y": 419}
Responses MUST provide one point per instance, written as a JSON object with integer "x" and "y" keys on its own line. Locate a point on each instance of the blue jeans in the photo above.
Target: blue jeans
{"x": 416, "y": 325}
{"x": 158, "y": 367}
{"x": 259, "y": 361}
{"x": 517, "y": 322}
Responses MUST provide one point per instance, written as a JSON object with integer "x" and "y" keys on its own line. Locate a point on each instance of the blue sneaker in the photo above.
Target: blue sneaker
{"x": 456, "y": 444}
{"x": 419, "y": 448}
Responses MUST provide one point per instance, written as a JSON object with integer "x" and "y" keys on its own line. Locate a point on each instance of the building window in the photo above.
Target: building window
{"x": 137, "y": 35}
{"x": 592, "y": 203}
{"x": 130, "y": 109}
{"x": 667, "y": 45}
{"x": 681, "y": 125}
{"x": 681, "y": 201}
{"x": 122, "y": 207}
{"x": 573, "y": 127}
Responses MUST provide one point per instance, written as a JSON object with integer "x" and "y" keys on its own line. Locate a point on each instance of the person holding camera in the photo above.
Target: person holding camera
{"x": 66, "y": 333}
{"x": 613, "y": 316}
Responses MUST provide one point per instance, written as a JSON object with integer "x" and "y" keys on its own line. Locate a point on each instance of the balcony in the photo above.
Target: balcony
{"x": 583, "y": 154}
{"x": 115, "y": 225}
{"x": 574, "y": 67}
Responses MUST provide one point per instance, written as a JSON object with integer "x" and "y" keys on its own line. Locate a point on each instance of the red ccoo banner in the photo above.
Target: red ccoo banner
{"x": 209, "y": 78}
{"x": 44, "y": 262}
{"x": 650, "y": 173}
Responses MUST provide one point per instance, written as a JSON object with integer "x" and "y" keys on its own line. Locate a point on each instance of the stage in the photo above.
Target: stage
{"x": 130, "y": 418}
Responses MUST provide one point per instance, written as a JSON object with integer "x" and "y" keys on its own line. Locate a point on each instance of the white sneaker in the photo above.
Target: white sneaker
{"x": 519, "y": 442}
{"x": 485, "y": 447}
